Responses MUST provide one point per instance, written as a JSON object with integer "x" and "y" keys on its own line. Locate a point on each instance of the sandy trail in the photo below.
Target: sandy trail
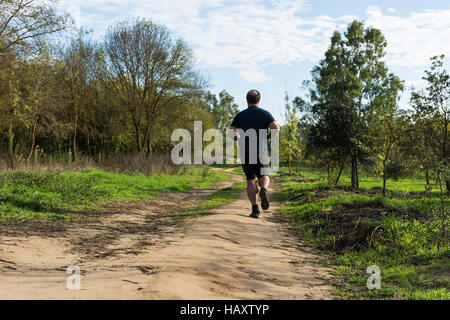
{"x": 139, "y": 251}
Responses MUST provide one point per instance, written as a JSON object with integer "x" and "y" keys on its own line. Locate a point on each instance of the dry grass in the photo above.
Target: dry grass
{"x": 121, "y": 163}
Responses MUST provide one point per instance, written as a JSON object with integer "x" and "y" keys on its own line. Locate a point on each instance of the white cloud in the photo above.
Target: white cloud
{"x": 413, "y": 40}
{"x": 415, "y": 84}
{"x": 252, "y": 34}
{"x": 252, "y": 75}
{"x": 392, "y": 10}
{"x": 241, "y": 34}
{"x": 374, "y": 11}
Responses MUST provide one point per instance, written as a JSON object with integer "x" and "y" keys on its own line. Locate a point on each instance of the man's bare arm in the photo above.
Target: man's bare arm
{"x": 274, "y": 128}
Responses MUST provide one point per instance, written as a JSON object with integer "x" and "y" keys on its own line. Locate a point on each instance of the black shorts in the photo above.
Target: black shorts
{"x": 253, "y": 171}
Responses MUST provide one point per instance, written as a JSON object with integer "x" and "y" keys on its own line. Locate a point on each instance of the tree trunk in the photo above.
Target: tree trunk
{"x": 444, "y": 155}
{"x": 339, "y": 175}
{"x": 33, "y": 140}
{"x": 329, "y": 172}
{"x": 138, "y": 140}
{"x": 137, "y": 129}
{"x": 11, "y": 147}
{"x": 355, "y": 178}
{"x": 384, "y": 178}
{"x": 149, "y": 146}
{"x": 74, "y": 140}
{"x": 289, "y": 165}
{"x": 427, "y": 176}
{"x": 88, "y": 142}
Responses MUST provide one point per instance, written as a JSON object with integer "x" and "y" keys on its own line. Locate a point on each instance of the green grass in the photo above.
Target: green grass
{"x": 217, "y": 199}
{"x": 45, "y": 195}
{"x": 398, "y": 233}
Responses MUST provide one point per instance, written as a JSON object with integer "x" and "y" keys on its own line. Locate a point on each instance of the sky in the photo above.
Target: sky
{"x": 273, "y": 45}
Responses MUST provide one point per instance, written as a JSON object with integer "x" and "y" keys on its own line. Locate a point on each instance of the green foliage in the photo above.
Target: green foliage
{"x": 346, "y": 84}
{"x": 223, "y": 110}
{"x": 432, "y": 117}
{"x": 400, "y": 233}
{"x": 290, "y": 140}
{"x": 120, "y": 94}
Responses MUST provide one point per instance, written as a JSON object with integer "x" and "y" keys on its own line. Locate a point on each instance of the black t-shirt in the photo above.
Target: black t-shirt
{"x": 252, "y": 118}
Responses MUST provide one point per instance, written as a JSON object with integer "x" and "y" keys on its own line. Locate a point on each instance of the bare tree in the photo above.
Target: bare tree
{"x": 24, "y": 20}
{"x": 151, "y": 72}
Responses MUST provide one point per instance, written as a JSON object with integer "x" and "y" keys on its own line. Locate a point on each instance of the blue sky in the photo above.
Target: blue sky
{"x": 273, "y": 45}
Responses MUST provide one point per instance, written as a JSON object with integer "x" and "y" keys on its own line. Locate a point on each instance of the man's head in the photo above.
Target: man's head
{"x": 253, "y": 97}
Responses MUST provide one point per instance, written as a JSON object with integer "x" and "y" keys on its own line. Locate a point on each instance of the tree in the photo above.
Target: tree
{"x": 223, "y": 109}
{"x": 386, "y": 127}
{"x": 150, "y": 72}
{"x": 79, "y": 60}
{"x": 290, "y": 142}
{"x": 345, "y": 84}
{"x": 36, "y": 97}
{"x": 23, "y": 21}
{"x": 432, "y": 112}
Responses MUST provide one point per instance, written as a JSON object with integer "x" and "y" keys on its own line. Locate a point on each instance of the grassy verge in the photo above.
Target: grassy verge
{"x": 25, "y": 196}
{"x": 398, "y": 233}
{"x": 217, "y": 199}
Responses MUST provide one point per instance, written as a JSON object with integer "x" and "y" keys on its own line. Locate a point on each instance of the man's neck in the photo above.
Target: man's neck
{"x": 253, "y": 105}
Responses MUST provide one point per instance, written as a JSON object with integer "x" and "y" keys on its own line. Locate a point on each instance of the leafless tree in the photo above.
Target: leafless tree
{"x": 22, "y": 21}
{"x": 151, "y": 72}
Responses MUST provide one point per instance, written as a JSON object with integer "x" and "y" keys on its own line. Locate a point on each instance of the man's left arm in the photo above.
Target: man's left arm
{"x": 274, "y": 129}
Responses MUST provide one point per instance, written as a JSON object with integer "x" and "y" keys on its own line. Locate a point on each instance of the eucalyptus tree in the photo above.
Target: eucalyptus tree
{"x": 344, "y": 86}
{"x": 223, "y": 109}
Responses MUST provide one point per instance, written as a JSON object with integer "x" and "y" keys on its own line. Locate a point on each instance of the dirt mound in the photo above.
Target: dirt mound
{"x": 352, "y": 227}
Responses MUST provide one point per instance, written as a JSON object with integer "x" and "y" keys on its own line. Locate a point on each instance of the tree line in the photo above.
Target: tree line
{"x": 126, "y": 92}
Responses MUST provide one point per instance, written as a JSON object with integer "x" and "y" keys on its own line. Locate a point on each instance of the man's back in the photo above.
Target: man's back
{"x": 253, "y": 118}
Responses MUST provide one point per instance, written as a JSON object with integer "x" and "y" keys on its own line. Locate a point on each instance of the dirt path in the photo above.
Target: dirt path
{"x": 142, "y": 251}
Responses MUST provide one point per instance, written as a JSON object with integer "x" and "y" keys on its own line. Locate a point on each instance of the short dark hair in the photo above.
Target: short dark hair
{"x": 253, "y": 97}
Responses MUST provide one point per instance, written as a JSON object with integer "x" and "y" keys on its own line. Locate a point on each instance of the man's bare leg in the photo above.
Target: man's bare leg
{"x": 252, "y": 191}
{"x": 264, "y": 182}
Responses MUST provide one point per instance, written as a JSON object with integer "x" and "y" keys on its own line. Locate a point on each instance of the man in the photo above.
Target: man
{"x": 255, "y": 118}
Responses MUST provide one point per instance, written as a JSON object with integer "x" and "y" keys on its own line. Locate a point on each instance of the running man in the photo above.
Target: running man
{"x": 255, "y": 118}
